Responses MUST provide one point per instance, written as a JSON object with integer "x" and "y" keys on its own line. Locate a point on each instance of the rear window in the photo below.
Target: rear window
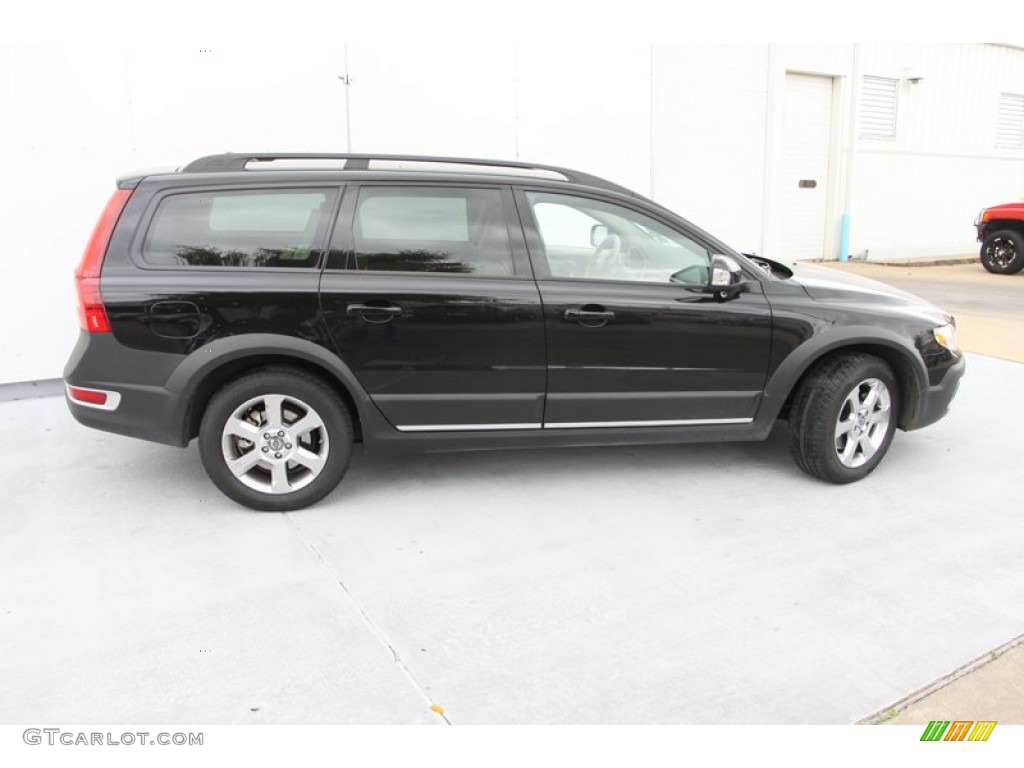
{"x": 273, "y": 228}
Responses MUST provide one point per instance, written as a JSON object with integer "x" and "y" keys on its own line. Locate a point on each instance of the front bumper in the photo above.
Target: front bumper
{"x": 938, "y": 398}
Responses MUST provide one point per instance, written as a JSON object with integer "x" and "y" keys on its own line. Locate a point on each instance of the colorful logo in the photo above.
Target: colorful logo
{"x": 958, "y": 730}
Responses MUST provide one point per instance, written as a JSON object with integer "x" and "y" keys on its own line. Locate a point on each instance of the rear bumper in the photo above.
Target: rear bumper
{"x": 145, "y": 409}
{"x": 937, "y": 398}
{"x": 147, "y": 415}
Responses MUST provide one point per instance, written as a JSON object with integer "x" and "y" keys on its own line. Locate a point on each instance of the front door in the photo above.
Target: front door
{"x": 631, "y": 341}
{"x": 430, "y": 301}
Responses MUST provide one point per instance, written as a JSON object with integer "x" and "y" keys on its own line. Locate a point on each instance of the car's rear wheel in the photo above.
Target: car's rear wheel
{"x": 276, "y": 439}
{"x": 1002, "y": 252}
{"x": 843, "y": 417}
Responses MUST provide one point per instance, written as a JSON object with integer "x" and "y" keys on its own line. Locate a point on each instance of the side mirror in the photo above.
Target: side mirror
{"x": 724, "y": 271}
{"x": 726, "y": 277}
{"x": 598, "y": 234}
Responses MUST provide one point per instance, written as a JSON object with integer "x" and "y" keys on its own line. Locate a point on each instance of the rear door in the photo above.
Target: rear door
{"x": 632, "y": 341}
{"x": 430, "y": 300}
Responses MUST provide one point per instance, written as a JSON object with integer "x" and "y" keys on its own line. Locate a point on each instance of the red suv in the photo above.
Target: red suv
{"x": 1001, "y": 234}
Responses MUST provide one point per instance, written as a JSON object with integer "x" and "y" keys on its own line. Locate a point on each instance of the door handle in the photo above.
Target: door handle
{"x": 371, "y": 313}
{"x": 592, "y": 318}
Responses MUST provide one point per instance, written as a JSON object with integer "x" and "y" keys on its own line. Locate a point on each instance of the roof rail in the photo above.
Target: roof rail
{"x": 237, "y": 161}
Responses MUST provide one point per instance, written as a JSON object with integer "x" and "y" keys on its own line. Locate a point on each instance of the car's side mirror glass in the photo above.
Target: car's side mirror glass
{"x": 598, "y": 234}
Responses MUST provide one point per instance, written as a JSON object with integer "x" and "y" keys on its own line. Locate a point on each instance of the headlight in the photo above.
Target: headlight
{"x": 982, "y": 217}
{"x": 945, "y": 335}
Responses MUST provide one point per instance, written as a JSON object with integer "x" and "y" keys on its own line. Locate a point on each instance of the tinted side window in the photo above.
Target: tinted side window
{"x": 409, "y": 229}
{"x": 273, "y": 228}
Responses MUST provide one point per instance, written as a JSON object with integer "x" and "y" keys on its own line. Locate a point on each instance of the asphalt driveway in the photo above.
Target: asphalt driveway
{"x": 671, "y": 584}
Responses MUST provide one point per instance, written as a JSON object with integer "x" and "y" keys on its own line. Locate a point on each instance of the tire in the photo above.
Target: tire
{"x": 828, "y": 437}
{"x": 287, "y": 433}
{"x": 1002, "y": 252}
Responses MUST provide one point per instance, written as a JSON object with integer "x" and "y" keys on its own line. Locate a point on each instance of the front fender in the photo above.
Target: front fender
{"x": 894, "y": 348}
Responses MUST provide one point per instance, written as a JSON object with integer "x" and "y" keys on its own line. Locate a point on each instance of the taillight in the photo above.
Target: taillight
{"x": 104, "y": 399}
{"x": 91, "y": 312}
{"x": 91, "y": 396}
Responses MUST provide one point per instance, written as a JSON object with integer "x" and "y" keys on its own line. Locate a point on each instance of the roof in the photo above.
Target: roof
{"x": 251, "y": 161}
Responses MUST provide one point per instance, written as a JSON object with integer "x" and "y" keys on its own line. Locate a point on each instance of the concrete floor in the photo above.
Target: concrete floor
{"x": 993, "y": 689}
{"x": 990, "y": 320}
{"x": 674, "y": 584}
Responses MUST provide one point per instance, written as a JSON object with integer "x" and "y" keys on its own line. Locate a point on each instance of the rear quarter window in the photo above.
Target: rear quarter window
{"x": 251, "y": 228}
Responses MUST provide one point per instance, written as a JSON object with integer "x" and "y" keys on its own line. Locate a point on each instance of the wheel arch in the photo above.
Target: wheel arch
{"x": 905, "y": 362}
{"x": 997, "y": 225}
{"x": 207, "y": 369}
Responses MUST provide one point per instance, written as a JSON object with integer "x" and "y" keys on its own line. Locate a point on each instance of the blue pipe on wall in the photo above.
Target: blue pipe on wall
{"x": 844, "y": 237}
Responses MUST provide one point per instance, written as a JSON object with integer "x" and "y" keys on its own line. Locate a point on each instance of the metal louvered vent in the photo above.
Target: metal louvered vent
{"x": 1010, "y": 123}
{"x": 878, "y": 108}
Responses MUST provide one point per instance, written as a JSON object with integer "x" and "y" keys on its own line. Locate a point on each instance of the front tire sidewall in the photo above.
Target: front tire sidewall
{"x": 819, "y": 407}
{"x": 303, "y": 387}
{"x": 839, "y": 471}
{"x": 1016, "y": 262}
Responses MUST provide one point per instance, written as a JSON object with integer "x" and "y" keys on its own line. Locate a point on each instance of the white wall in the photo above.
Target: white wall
{"x": 717, "y": 134}
{"x": 919, "y": 193}
{"x": 694, "y": 125}
{"x": 569, "y": 106}
{"x": 80, "y": 119}
{"x": 709, "y": 137}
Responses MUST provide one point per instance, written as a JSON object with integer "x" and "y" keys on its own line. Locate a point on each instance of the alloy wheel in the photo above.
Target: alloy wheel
{"x": 1001, "y": 252}
{"x": 275, "y": 444}
{"x": 863, "y": 422}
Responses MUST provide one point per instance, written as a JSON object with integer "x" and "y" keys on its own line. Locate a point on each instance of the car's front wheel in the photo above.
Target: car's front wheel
{"x": 843, "y": 417}
{"x": 1002, "y": 252}
{"x": 276, "y": 439}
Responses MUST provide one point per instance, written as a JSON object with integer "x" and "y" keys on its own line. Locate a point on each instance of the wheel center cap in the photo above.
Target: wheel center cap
{"x": 276, "y": 443}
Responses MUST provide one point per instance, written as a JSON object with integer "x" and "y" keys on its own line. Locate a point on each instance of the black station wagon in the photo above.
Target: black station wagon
{"x": 281, "y": 307}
